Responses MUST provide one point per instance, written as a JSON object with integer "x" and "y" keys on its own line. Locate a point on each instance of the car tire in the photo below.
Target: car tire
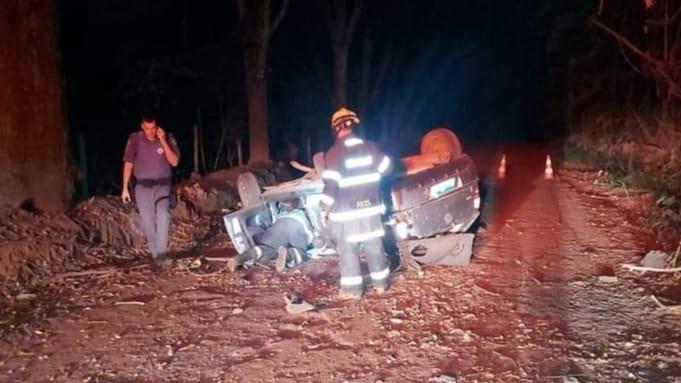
{"x": 441, "y": 140}
{"x": 249, "y": 190}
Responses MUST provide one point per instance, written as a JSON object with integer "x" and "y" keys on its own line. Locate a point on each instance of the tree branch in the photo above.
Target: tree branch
{"x": 627, "y": 59}
{"x": 676, "y": 42}
{"x": 241, "y": 7}
{"x": 631, "y": 267}
{"x": 664, "y": 21}
{"x": 383, "y": 69}
{"x": 280, "y": 17}
{"x": 621, "y": 39}
{"x": 339, "y": 21}
{"x": 328, "y": 14}
{"x": 657, "y": 65}
{"x": 354, "y": 19}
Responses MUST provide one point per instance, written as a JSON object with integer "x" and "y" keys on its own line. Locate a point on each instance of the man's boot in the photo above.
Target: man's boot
{"x": 282, "y": 257}
{"x": 160, "y": 261}
{"x": 236, "y": 261}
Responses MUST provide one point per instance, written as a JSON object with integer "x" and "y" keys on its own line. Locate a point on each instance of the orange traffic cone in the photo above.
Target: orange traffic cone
{"x": 548, "y": 172}
{"x": 501, "y": 172}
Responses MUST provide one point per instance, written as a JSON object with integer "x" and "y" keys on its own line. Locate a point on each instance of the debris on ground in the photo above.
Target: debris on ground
{"x": 655, "y": 259}
{"x": 296, "y": 305}
{"x": 607, "y": 279}
{"x": 442, "y": 379}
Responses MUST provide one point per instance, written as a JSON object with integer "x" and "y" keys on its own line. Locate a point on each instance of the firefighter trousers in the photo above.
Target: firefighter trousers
{"x": 350, "y": 267}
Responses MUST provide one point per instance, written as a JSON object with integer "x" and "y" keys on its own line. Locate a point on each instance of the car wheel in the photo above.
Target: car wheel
{"x": 441, "y": 140}
{"x": 249, "y": 190}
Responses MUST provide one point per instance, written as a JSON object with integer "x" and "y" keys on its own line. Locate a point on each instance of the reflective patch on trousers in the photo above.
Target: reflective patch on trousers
{"x": 361, "y": 237}
{"x": 380, "y": 275}
{"x": 351, "y": 281}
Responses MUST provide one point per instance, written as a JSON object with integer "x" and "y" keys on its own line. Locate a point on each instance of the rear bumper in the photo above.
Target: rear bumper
{"x": 454, "y": 212}
{"x": 448, "y": 250}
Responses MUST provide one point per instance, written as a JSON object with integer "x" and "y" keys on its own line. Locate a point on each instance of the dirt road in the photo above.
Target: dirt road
{"x": 530, "y": 308}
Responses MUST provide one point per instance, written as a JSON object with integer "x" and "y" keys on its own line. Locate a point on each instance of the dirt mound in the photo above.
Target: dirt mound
{"x": 34, "y": 244}
{"x": 108, "y": 220}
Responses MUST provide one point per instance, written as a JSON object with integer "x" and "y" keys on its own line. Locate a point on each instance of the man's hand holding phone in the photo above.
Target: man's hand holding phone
{"x": 160, "y": 134}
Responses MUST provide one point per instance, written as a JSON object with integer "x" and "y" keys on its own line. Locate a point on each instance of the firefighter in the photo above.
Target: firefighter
{"x": 353, "y": 171}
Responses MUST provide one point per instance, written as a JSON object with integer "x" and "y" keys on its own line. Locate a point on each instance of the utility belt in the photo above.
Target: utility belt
{"x": 154, "y": 182}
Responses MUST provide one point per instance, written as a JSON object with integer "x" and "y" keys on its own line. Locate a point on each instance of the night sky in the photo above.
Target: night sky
{"x": 478, "y": 67}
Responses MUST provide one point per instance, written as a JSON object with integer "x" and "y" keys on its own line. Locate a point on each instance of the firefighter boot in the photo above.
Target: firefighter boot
{"x": 381, "y": 287}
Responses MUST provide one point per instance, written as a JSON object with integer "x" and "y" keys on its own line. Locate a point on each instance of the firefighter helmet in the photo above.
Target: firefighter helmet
{"x": 342, "y": 118}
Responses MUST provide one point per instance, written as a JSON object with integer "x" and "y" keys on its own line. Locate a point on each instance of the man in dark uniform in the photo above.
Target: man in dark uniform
{"x": 149, "y": 155}
{"x": 287, "y": 239}
{"x": 353, "y": 171}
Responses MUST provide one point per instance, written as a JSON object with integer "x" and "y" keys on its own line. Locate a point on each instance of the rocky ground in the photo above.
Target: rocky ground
{"x": 545, "y": 299}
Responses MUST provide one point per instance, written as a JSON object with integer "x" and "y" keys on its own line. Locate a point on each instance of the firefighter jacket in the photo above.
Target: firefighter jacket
{"x": 352, "y": 179}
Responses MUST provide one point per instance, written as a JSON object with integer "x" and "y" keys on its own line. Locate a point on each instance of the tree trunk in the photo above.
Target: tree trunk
{"x": 342, "y": 29}
{"x": 257, "y": 30}
{"x": 364, "y": 79}
{"x": 34, "y": 165}
{"x": 256, "y": 88}
{"x": 340, "y": 73}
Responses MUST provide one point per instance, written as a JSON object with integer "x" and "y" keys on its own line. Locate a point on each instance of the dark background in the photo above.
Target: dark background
{"x": 490, "y": 70}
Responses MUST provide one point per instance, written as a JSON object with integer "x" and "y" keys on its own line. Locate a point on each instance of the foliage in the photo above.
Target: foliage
{"x": 635, "y": 152}
{"x": 648, "y": 35}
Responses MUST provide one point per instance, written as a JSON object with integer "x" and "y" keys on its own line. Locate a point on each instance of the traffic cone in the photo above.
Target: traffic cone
{"x": 501, "y": 172}
{"x": 548, "y": 172}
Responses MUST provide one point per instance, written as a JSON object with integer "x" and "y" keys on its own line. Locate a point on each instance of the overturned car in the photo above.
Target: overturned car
{"x": 433, "y": 200}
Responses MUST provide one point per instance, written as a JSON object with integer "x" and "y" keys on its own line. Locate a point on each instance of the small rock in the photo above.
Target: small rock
{"x": 444, "y": 378}
{"x": 607, "y": 279}
{"x": 395, "y": 320}
{"x": 458, "y": 332}
{"x": 237, "y": 311}
{"x": 655, "y": 259}
{"x": 26, "y": 297}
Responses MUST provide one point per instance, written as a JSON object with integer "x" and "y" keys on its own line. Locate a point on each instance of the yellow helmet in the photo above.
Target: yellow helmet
{"x": 343, "y": 117}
